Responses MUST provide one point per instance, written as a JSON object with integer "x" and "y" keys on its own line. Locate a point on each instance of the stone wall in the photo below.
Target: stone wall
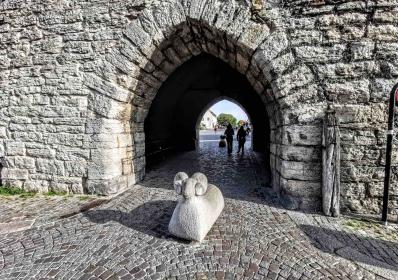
{"x": 352, "y": 47}
{"x": 77, "y": 79}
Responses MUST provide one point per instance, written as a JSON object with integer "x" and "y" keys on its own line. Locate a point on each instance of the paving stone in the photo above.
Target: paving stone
{"x": 127, "y": 238}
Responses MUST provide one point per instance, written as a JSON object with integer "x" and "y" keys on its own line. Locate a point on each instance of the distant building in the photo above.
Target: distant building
{"x": 209, "y": 120}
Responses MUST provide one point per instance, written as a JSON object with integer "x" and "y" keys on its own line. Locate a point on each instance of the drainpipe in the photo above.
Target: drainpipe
{"x": 390, "y": 136}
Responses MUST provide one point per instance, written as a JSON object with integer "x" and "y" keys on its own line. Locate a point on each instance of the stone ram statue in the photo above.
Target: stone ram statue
{"x": 197, "y": 209}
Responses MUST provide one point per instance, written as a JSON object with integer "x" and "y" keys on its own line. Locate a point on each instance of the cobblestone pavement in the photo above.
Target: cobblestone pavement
{"x": 367, "y": 242}
{"x": 127, "y": 238}
{"x": 19, "y": 213}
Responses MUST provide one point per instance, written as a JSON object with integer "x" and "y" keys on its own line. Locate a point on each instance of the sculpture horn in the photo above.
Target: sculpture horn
{"x": 178, "y": 180}
{"x": 201, "y": 185}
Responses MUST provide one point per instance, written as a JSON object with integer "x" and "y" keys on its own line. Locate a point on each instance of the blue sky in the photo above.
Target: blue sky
{"x": 228, "y": 107}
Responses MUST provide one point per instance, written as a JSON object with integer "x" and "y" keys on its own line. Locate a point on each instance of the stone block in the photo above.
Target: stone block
{"x": 375, "y": 189}
{"x": 13, "y": 183}
{"x": 350, "y": 70}
{"x": 358, "y": 137}
{"x": 107, "y": 107}
{"x": 362, "y": 50}
{"x": 385, "y": 32}
{"x": 139, "y": 114}
{"x": 2, "y": 150}
{"x": 348, "y": 91}
{"x": 59, "y": 187}
{"x": 139, "y": 37}
{"x": 282, "y": 63}
{"x": 271, "y": 48}
{"x": 36, "y": 186}
{"x": 304, "y": 36}
{"x": 3, "y": 132}
{"x": 28, "y": 136}
{"x": 24, "y": 162}
{"x": 352, "y": 172}
{"x": 168, "y": 15}
{"x": 14, "y": 174}
{"x": 76, "y": 168}
{"x": 300, "y": 153}
{"x": 65, "y": 139}
{"x": 253, "y": 35}
{"x": 126, "y": 166}
{"x": 387, "y": 50}
{"x": 309, "y": 94}
{"x": 355, "y": 190}
{"x": 106, "y": 88}
{"x": 40, "y": 151}
{"x": 78, "y": 188}
{"x": 108, "y": 141}
{"x": 139, "y": 149}
{"x": 322, "y": 54}
{"x": 353, "y": 113}
{"x": 386, "y": 17}
{"x": 298, "y": 77}
{"x": 15, "y": 148}
{"x": 108, "y": 187}
{"x": 360, "y": 154}
{"x": 138, "y": 164}
{"x": 49, "y": 166}
{"x": 297, "y": 188}
{"x": 106, "y": 163}
{"x": 107, "y": 126}
{"x": 302, "y": 135}
{"x": 380, "y": 89}
{"x": 139, "y": 137}
{"x": 303, "y": 171}
{"x": 72, "y": 154}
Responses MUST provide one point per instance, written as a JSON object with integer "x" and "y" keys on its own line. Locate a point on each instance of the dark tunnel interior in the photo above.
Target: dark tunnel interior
{"x": 172, "y": 119}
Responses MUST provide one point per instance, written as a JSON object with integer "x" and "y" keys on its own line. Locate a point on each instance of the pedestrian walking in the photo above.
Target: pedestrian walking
{"x": 229, "y": 134}
{"x": 241, "y": 137}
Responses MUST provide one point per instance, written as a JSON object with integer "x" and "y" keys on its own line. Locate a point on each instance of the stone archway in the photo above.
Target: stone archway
{"x": 161, "y": 39}
{"x": 172, "y": 119}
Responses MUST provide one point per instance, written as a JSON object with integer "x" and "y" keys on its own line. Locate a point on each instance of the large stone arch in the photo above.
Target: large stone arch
{"x": 123, "y": 84}
{"x": 172, "y": 119}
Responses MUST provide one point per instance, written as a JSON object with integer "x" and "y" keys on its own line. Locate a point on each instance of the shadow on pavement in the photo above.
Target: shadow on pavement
{"x": 151, "y": 217}
{"x": 354, "y": 247}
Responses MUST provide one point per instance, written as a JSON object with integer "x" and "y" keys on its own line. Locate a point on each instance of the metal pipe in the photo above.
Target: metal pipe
{"x": 390, "y": 136}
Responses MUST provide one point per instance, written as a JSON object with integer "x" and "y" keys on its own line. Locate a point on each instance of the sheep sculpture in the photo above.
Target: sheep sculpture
{"x": 197, "y": 209}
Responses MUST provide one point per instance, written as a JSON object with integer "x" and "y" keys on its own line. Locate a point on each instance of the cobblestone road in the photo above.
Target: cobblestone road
{"x": 127, "y": 238}
{"x": 20, "y": 213}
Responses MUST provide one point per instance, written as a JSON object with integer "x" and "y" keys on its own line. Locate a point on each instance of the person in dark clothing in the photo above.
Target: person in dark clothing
{"x": 241, "y": 137}
{"x": 229, "y": 134}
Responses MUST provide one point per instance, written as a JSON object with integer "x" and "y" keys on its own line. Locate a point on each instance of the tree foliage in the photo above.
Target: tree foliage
{"x": 224, "y": 119}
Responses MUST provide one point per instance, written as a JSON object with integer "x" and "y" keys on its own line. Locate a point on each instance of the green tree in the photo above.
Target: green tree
{"x": 225, "y": 119}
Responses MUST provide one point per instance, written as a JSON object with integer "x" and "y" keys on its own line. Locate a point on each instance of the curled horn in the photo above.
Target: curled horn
{"x": 201, "y": 185}
{"x": 178, "y": 180}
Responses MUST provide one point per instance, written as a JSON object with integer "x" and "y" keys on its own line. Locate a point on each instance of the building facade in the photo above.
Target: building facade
{"x": 78, "y": 79}
{"x": 209, "y": 120}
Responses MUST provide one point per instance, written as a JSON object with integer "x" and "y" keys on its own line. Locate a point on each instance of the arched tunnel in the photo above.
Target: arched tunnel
{"x": 201, "y": 81}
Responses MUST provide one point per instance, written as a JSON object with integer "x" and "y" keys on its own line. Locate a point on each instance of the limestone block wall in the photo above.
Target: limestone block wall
{"x": 50, "y": 136}
{"x": 77, "y": 79}
{"x": 351, "y": 46}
